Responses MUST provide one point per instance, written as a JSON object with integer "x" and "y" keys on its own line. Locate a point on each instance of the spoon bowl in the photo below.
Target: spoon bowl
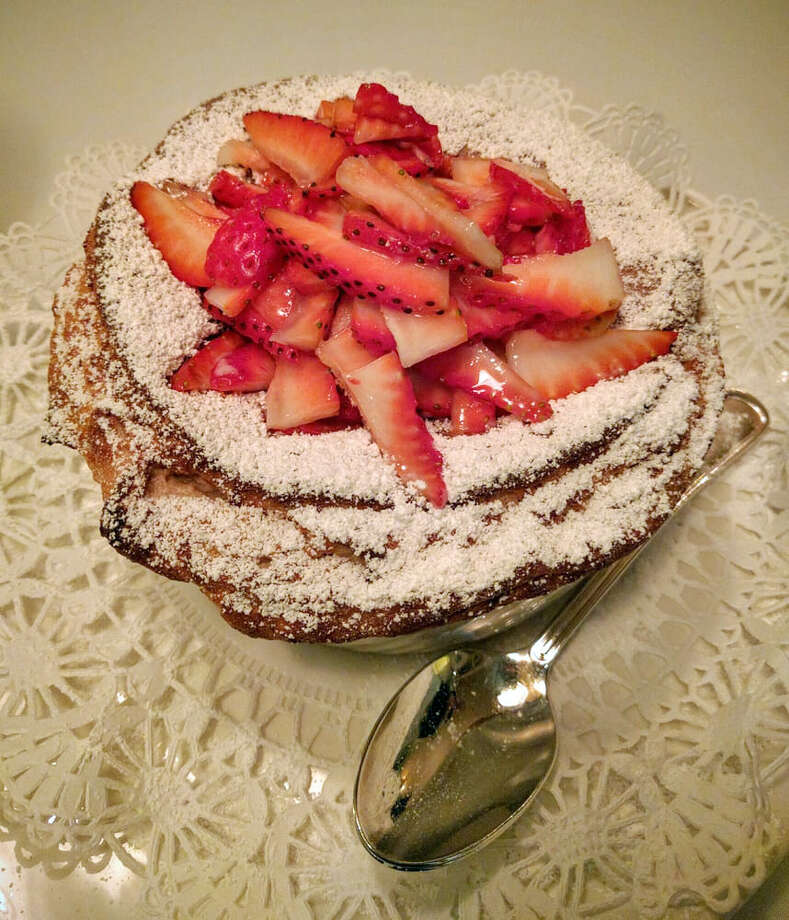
{"x": 462, "y": 749}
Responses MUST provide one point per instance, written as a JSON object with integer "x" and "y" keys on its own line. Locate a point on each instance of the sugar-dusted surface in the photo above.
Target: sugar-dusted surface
{"x": 598, "y": 475}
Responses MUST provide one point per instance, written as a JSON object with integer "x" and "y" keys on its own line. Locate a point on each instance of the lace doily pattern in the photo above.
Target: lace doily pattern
{"x": 136, "y": 727}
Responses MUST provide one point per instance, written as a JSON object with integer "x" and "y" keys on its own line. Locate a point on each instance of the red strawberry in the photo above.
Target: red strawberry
{"x": 559, "y": 368}
{"x": 180, "y": 234}
{"x": 337, "y": 114}
{"x": 485, "y": 322}
{"x": 374, "y": 232}
{"x": 344, "y": 353}
{"x": 230, "y": 300}
{"x": 433, "y": 398}
{"x": 470, "y": 170}
{"x": 233, "y": 192}
{"x": 305, "y": 281}
{"x": 385, "y": 398}
{"x": 419, "y": 337}
{"x": 564, "y": 233}
{"x": 381, "y": 116}
{"x": 570, "y": 329}
{"x": 246, "y": 369}
{"x": 582, "y": 283}
{"x": 308, "y": 322}
{"x": 370, "y": 328}
{"x": 402, "y": 152}
{"x": 242, "y": 153}
{"x": 487, "y": 205}
{"x": 306, "y": 150}
{"x": 516, "y": 243}
{"x": 195, "y": 372}
{"x": 470, "y": 414}
{"x": 301, "y": 391}
{"x": 359, "y": 271}
{"x": 463, "y": 234}
{"x": 199, "y": 202}
{"x": 478, "y": 370}
{"x": 241, "y": 253}
{"x": 360, "y": 178}
{"x": 531, "y": 182}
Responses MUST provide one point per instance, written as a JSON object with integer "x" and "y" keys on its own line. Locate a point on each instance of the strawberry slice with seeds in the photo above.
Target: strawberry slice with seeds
{"x": 571, "y": 329}
{"x": 558, "y": 368}
{"x": 360, "y": 178}
{"x": 532, "y": 187}
{"x": 463, "y": 234}
{"x": 308, "y": 322}
{"x": 470, "y": 414}
{"x": 375, "y": 233}
{"x": 241, "y": 252}
{"x": 343, "y": 353}
{"x": 359, "y": 271}
{"x": 181, "y": 234}
{"x": 485, "y": 322}
{"x": 381, "y": 116}
{"x": 478, "y": 370}
{"x": 419, "y": 337}
{"x": 487, "y": 205}
{"x": 233, "y": 192}
{"x": 407, "y": 155}
{"x": 433, "y": 398}
{"x": 306, "y": 150}
{"x": 247, "y": 369}
{"x": 195, "y": 372}
{"x": 563, "y": 233}
{"x": 301, "y": 391}
{"x": 369, "y": 327}
{"x": 385, "y": 398}
{"x": 582, "y": 283}
{"x": 230, "y": 300}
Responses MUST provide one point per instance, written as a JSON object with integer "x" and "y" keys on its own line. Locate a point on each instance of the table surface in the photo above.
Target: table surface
{"x": 80, "y": 74}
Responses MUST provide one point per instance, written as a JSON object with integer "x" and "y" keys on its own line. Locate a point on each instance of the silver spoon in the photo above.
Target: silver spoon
{"x": 463, "y": 747}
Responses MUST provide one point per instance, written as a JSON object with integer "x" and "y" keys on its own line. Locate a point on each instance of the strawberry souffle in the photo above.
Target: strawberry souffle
{"x": 359, "y": 360}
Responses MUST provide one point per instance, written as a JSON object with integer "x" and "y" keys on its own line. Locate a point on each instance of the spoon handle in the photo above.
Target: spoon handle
{"x": 548, "y": 646}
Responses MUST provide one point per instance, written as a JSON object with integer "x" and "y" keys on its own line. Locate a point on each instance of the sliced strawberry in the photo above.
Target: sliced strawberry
{"x": 230, "y": 300}
{"x": 308, "y": 322}
{"x": 433, "y": 398}
{"x": 582, "y": 283}
{"x": 343, "y": 353}
{"x": 559, "y": 368}
{"x": 301, "y": 391}
{"x": 327, "y": 211}
{"x": 478, "y": 370}
{"x": 322, "y": 190}
{"x": 199, "y": 202}
{"x": 564, "y": 233}
{"x": 343, "y": 315}
{"x": 305, "y": 281}
{"x": 337, "y": 114}
{"x": 463, "y": 234}
{"x": 571, "y": 329}
{"x": 470, "y": 170}
{"x": 470, "y": 414}
{"x": 241, "y": 153}
{"x": 485, "y": 322}
{"x": 487, "y": 205}
{"x": 247, "y": 369}
{"x": 420, "y": 337}
{"x": 406, "y": 154}
{"x": 532, "y": 184}
{"x": 381, "y": 116}
{"x": 306, "y": 150}
{"x": 359, "y": 271}
{"x": 241, "y": 252}
{"x": 233, "y": 192}
{"x": 195, "y": 372}
{"x": 369, "y": 327}
{"x": 180, "y": 234}
{"x": 374, "y": 232}
{"x": 385, "y": 398}
{"x": 516, "y": 243}
{"x": 360, "y": 178}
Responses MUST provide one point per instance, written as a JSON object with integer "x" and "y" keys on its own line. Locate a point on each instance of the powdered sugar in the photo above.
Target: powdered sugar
{"x": 636, "y": 430}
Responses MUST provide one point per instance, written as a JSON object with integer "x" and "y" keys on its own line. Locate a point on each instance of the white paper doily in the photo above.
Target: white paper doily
{"x": 137, "y": 729}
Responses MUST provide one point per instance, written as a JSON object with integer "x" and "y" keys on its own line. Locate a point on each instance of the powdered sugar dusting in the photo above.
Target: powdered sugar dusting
{"x": 634, "y": 433}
